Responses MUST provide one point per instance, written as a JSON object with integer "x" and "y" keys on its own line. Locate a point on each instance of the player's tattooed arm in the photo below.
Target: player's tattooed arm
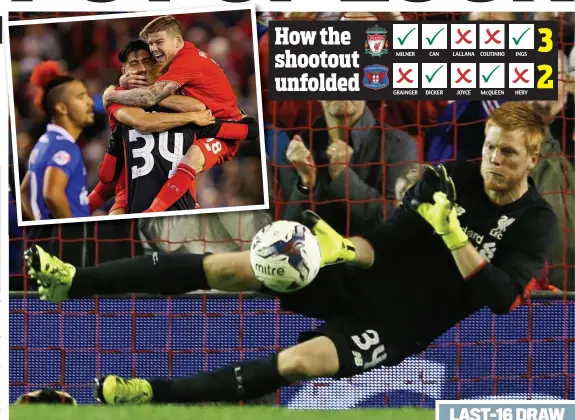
{"x": 142, "y": 97}
{"x": 181, "y": 103}
{"x": 149, "y": 122}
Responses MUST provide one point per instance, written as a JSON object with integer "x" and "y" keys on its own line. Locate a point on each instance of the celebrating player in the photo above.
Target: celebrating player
{"x": 161, "y": 151}
{"x": 137, "y": 61}
{"x": 194, "y": 73}
{"x": 54, "y": 186}
{"x": 468, "y": 235}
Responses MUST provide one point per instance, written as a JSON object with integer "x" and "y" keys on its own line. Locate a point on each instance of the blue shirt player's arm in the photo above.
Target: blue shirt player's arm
{"x": 25, "y": 201}
{"x": 59, "y": 169}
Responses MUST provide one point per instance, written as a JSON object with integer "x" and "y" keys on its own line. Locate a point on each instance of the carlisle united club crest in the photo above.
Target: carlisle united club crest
{"x": 376, "y": 44}
{"x": 375, "y": 77}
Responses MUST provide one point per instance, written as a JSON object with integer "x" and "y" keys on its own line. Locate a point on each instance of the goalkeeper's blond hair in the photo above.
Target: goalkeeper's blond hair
{"x": 521, "y": 116}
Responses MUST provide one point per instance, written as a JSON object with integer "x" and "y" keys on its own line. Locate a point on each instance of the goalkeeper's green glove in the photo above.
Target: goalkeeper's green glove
{"x": 335, "y": 249}
{"x": 442, "y": 215}
{"x": 443, "y": 218}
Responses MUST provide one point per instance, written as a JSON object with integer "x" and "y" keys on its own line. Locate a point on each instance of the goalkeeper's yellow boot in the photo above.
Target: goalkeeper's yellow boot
{"x": 112, "y": 389}
{"x": 335, "y": 249}
{"x": 54, "y": 276}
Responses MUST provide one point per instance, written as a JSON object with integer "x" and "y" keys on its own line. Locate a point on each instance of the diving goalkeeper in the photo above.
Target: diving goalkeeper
{"x": 466, "y": 236}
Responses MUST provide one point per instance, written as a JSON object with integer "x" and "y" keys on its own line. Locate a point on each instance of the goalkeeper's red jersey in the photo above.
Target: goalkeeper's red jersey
{"x": 199, "y": 76}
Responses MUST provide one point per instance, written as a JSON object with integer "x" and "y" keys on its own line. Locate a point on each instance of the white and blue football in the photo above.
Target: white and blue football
{"x": 285, "y": 256}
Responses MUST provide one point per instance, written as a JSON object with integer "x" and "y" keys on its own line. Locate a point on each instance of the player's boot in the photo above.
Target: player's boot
{"x": 112, "y": 389}
{"x": 54, "y": 276}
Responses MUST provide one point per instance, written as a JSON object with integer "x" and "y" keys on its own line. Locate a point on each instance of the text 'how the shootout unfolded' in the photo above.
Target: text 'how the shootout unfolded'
{"x": 325, "y": 60}
{"x": 317, "y": 71}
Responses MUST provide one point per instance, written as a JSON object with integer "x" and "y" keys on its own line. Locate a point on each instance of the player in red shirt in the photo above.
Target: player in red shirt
{"x": 136, "y": 61}
{"x": 193, "y": 73}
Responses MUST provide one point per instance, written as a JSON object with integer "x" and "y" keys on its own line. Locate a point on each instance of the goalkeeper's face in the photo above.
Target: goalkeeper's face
{"x": 506, "y": 162}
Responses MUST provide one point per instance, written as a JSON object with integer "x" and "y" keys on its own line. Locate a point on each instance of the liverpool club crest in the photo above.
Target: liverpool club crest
{"x": 376, "y": 44}
{"x": 375, "y": 77}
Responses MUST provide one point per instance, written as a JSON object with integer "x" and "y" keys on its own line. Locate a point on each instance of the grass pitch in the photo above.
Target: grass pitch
{"x": 208, "y": 413}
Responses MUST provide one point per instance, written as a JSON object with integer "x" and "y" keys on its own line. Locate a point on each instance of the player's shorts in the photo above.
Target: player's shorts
{"x": 340, "y": 296}
{"x": 217, "y": 151}
{"x": 362, "y": 344}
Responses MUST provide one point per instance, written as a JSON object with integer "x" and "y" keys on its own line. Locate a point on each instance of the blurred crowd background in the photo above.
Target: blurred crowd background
{"x": 88, "y": 50}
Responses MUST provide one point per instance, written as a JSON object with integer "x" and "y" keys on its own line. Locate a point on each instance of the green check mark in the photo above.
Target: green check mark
{"x": 402, "y": 40}
{"x": 486, "y": 79}
{"x": 432, "y": 40}
{"x": 429, "y": 79}
{"x": 516, "y": 40}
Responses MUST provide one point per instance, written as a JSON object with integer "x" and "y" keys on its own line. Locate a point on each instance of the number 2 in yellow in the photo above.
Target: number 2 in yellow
{"x": 544, "y": 82}
{"x": 547, "y": 39}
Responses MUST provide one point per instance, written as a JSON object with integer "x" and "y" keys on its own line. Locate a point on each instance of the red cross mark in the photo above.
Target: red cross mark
{"x": 463, "y": 76}
{"x": 404, "y": 75}
{"x": 492, "y": 36}
{"x": 463, "y": 37}
{"x": 520, "y": 76}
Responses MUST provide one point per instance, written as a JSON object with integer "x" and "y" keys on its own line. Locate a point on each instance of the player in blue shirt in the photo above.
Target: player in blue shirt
{"x": 54, "y": 186}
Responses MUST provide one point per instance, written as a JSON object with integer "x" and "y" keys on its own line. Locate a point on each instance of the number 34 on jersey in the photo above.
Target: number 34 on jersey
{"x": 161, "y": 151}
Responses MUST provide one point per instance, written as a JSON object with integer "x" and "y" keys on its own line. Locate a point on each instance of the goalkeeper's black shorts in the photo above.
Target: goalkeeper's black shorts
{"x": 363, "y": 341}
{"x": 362, "y": 344}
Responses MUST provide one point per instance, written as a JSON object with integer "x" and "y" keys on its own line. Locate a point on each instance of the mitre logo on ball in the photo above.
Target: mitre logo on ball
{"x": 376, "y": 43}
{"x": 375, "y": 77}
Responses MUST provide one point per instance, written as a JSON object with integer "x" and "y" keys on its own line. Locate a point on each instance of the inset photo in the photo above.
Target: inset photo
{"x": 129, "y": 115}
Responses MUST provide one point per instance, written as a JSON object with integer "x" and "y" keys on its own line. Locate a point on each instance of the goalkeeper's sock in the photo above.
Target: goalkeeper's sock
{"x": 237, "y": 382}
{"x": 164, "y": 274}
{"x": 174, "y": 188}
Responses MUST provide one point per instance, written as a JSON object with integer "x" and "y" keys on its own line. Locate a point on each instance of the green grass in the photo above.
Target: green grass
{"x": 207, "y": 413}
